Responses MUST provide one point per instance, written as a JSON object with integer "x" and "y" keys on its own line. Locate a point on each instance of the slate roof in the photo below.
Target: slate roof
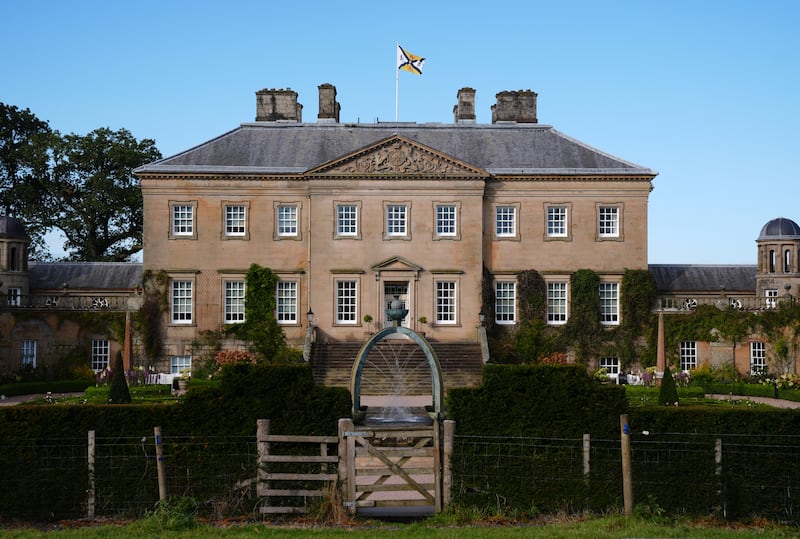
{"x": 85, "y": 275}
{"x": 780, "y": 228}
{"x": 695, "y": 278}
{"x": 276, "y": 147}
{"x": 11, "y": 228}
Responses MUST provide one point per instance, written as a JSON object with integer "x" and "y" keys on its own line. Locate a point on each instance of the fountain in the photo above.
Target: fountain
{"x": 400, "y": 370}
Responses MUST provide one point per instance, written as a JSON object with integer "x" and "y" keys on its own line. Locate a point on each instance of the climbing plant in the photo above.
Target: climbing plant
{"x": 637, "y": 294}
{"x": 583, "y": 332}
{"x": 154, "y": 304}
{"x": 260, "y": 327}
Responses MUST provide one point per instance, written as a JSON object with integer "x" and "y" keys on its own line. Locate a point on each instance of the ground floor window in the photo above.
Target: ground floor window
{"x": 688, "y": 355}
{"x": 758, "y": 357}
{"x": 28, "y": 354}
{"x": 505, "y": 307}
{"x": 101, "y": 352}
{"x": 611, "y": 365}
{"x": 178, "y": 364}
{"x": 445, "y": 302}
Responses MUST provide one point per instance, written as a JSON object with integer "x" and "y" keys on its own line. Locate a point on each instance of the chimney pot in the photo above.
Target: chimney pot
{"x": 278, "y": 104}
{"x": 518, "y": 106}
{"x": 464, "y": 111}
{"x": 328, "y": 106}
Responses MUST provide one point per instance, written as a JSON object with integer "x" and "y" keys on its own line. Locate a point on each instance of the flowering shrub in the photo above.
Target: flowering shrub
{"x": 230, "y": 357}
{"x": 556, "y": 358}
{"x": 788, "y": 381}
{"x": 138, "y": 376}
{"x": 682, "y": 379}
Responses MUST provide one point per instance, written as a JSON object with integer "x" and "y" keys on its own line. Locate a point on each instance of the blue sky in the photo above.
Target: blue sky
{"x": 704, "y": 92}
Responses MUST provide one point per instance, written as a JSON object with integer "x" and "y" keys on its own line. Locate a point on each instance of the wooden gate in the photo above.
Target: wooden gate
{"x": 391, "y": 466}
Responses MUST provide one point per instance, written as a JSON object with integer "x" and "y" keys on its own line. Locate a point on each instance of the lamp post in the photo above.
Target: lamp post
{"x": 309, "y": 336}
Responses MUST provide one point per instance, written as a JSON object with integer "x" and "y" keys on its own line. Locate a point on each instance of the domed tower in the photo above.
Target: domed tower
{"x": 14, "y": 278}
{"x": 778, "y": 265}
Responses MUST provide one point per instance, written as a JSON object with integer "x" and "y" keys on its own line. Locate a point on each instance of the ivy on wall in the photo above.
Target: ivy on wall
{"x": 154, "y": 304}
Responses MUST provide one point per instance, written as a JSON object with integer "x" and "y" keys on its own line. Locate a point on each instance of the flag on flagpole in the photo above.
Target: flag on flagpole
{"x": 409, "y": 62}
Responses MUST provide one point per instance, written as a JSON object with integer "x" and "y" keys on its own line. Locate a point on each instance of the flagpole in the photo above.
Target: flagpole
{"x": 396, "y": 84}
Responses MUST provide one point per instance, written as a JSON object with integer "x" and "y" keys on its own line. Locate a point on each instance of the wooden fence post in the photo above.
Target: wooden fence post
{"x": 347, "y": 475}
{"x": 90, "y": 501}
{"x": 627, "y": 474}
{"x": 447, "y": 464}
{"x": 587, "y": 448}
{"x": 262, "y": 437}
{"x": 162, "y": 478}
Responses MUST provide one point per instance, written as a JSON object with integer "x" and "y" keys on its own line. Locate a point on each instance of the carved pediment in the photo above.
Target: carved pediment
{"x": 396, "y": 263}
{"x": 397, "y": 156}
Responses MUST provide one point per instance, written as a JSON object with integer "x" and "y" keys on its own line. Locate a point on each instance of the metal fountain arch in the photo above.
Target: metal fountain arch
{"x": 430, "y": 354}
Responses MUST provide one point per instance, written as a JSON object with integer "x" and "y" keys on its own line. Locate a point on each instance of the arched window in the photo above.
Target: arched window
{"x": 787, "y": 261}
{"x": 772, "y": 260}
{"x": 12, "y": 259}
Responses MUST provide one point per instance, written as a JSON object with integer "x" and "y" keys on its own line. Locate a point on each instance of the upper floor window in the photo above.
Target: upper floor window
{"x": 28, "y": 353}
{"x": 446, "y": 224}
{"x": 181, "y": 302}
{"x": 771, "y": 298}
{"x": 235, "y": 220}
{"x": 557, "y": 303}
{"x": 234, "y": 302}
{"x": 505, "y": 307}
{"x": 608, "y": 221}
{"x": 183, "y": 220}
{"x": 758, "y": 357}
{"x": 446, "y": 302}
{"x": 396, "y": 220}
{"x": 287, "y": 220}
{"x": 688, "y": 355}
{"x": 101, "y": 353}
{"x": 557, "y": 222}
{"x": 506, "y": 221}
{"x": 286, "y": 300}
{"x": 346, "y": 302}
{"x": 609, "y": 303}
{"x": 347, "y": 220}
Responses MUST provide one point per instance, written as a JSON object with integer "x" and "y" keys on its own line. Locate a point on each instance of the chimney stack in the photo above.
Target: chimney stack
{"x": 328, "y": 106}
{"x": 519, "y": 106}
{"x": 274, "y": 105}
{"x": 464, "y": 111}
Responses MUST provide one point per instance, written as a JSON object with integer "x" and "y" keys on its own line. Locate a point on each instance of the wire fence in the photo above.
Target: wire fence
{"x": 734, "y": 476}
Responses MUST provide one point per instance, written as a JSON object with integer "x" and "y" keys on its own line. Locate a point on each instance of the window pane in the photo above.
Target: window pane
{"x": 347, "y": 220}
{"x": 235, "y": 220}
{"x": 610, "y": 364}
{"x": 182, "y": 302}
{"x": 609, "y": 303}
{"x": 758, "y": 358}
{"x": 100, "y": 354}
{"x": 346, "y": 302}
{"x": 609, "y": 222}
{"x": 396, "y": 220}
{"x": 556, "y": 303}
{"x": 688, "y": 355}
{"x": 505, "y": 302}
{"x": 287, "y": 302}
{"x": 446, "y": 302}
{"x": 28, "y": 353}
{"x": 182, "y": 220}
{"x": 557, "y": 221}
{"x": 178, "y": 364}
{"x": 446, "y": 220}
{"x": 506, "y": 221}
{"x": 287, "y": 220}
{"x": 234, "y": 301}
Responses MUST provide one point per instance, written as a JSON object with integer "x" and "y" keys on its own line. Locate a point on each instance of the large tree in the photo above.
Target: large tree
{"x": 25, "y": 143}
{"x": 94, "y": 197}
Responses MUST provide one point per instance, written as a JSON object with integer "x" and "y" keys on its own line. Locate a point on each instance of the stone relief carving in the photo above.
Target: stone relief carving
{"x": 397, "y": 158}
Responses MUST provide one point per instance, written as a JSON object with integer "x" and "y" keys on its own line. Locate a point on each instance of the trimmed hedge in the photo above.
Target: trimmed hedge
{"x": 52, "y": 386}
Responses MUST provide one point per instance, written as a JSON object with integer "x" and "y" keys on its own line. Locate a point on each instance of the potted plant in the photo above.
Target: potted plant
{"x": 183, "y": 380}
{"x": 422, "y": 321}
{"x": 368, "y": 320}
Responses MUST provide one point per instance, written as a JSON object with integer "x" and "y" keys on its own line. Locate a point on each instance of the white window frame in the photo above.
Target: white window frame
{"x": 234, "y": 311}
{"x": 183, "y": 220}
{"x": 758, "y": 357}
{"x": 101, "y": 354}
{"x": 609, "y": 303}
{"x": 771, "y": 298}
{"x": 347, "y": 219}
{"x": 182, "y": 301}
{"x": 178, "y": 364}
{"x": 687, "y": 352}
{"x": 446, "y": 309}
{"x": 288, "y": 220}
{"x": 396, "y": 215}
{"x": 557, "y": 221}
{"x": 286, "y": 302}
{"x": 235, "y": 220}
{"x": 27, "y": 350}
{"x": 505, "y": 221}
{"x": 346, "y": 303}
{"x": 557, "y": 302}
{"x": 611, "y": 365}
{"x": 446, "y": 220}
{"x": 609, "y": 221}
{"x": 505, "y": 303}
{"x": 14, "y": 296}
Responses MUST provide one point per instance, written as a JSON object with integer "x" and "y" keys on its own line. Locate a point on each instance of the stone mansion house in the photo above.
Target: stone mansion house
{"x": 350, "y": 215}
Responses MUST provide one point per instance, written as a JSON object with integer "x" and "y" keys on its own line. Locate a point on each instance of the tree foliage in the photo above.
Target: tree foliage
{"x": 82, "y": 186}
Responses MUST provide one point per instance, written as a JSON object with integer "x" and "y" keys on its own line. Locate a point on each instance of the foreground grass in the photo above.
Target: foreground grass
{"x": 614, "y": 526}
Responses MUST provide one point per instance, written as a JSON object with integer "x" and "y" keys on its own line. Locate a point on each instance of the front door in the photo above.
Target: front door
{"x": 390, "y": 290}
